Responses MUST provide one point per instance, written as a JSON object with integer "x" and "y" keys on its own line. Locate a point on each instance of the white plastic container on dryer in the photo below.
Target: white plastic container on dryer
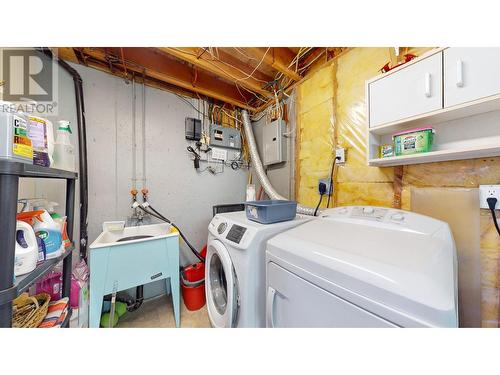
{"x": 14, "y": 141}
{"x": 26, "y": 254}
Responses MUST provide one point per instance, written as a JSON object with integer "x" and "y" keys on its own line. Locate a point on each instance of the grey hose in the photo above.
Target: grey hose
{"x": 259, "y": 169}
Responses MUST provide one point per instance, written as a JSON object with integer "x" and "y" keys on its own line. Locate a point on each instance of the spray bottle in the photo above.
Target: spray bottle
{"x": 64, "y": 151}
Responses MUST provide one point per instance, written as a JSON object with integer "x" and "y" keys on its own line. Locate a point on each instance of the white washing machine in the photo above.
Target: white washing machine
{"x": 363, "y": 267}
{"x": 235, "y": 276}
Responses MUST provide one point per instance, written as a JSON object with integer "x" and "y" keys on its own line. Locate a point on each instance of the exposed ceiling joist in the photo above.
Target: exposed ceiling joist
{"x": 245, "y": 77}
{"x": 151, "y": 82}
{"x": 313, "y": 56}
{"x": 278, "y": 58}
{"x": 217, "y": 66}
{"x": 160, "y": 67}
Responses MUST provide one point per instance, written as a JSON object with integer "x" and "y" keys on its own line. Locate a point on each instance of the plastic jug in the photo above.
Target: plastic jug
{"x": 26, "y": 253}
{"x": 64, "y": 151}
{"x": 50, "y": 233}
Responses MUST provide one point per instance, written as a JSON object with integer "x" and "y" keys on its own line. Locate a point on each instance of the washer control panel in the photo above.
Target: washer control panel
{"x": 386, "y": 217}
{"x": 369, "y": 212}
{"x": 236, "y": 233}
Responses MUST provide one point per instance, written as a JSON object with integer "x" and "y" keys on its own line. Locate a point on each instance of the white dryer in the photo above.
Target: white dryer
{"x": 235, "y": 281}
{"x": 363, "y": 267}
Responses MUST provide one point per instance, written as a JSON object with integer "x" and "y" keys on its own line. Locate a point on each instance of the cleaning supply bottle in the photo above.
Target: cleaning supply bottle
{"x": 14, "y": 141}
{"x": 37, "y": 132}
{"x": 26, "y": 252}
{"x": 50, "y": 233}
{"x": 64, "y": 151}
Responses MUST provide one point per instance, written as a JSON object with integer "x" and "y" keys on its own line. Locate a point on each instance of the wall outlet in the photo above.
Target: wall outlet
{"x": 326, "y": 181}
{"x": 487, "y": 191}
{"x": 340, "y": 153}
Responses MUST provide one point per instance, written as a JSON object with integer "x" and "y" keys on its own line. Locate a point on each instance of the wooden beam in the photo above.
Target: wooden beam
{"x": 308, "y": 75}
{"x": 277, "y": 58}
{"x": 217, "y": 67}
{"x": 312, "y": 56}
{"x": 65, "y": 53}
{"x": 104, "y": 67}
{"x": 166, "y": 69}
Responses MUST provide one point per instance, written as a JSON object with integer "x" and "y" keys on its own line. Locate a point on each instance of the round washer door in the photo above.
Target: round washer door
{"x": 221, "y": 286}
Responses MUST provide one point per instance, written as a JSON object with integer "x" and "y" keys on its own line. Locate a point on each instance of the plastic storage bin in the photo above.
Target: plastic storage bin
{"x": 272, "y": 211}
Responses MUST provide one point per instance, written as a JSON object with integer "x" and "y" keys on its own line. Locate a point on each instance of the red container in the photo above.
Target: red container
{"x": 193, "y": 286}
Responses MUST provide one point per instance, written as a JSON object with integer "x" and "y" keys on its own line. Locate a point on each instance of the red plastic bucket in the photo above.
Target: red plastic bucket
{"x": 193, "y": 286}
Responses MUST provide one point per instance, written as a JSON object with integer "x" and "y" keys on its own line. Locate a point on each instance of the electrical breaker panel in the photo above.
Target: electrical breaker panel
{"x": 223, "y": 136}
{"x": 274, "y": 142}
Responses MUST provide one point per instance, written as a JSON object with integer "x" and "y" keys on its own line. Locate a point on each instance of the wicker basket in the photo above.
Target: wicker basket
{"x": 28, "y": 312}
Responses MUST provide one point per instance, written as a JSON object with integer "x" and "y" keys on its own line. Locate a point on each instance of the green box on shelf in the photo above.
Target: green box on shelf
{"x": 413, "y": 141}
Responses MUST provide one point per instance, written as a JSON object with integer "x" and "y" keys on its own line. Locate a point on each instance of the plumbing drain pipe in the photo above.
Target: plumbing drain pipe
{"x": 259, "y": 169}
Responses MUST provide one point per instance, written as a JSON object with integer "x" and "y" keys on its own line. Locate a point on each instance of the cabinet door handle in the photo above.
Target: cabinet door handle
{"x": 428, "y": 85}
{"x": 460, "y": 74}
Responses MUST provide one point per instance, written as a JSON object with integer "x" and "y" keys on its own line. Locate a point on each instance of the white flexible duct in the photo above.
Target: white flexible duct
{"x": 259, "y": 169}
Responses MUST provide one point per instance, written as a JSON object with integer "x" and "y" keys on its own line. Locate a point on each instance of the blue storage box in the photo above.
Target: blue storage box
{"x": 272, "y": 211}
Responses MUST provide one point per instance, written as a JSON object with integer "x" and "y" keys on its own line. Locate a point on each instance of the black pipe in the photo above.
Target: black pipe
{"x": 82, "y": 148}
{"x": 139, "y": 299}
{"x": 163, "y": 218}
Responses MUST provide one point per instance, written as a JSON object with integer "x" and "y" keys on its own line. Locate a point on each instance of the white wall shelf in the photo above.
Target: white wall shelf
{"x": 467, "y": 130}
{"x": 435, "y": 156}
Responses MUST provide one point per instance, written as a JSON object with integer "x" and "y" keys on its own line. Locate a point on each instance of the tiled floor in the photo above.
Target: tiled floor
{"x": 158, "y": 313}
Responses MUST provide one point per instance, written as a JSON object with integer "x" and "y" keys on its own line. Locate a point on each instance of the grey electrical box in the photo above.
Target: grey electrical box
{"x": 274, "y": 142}
{"x": 223, "y": 136}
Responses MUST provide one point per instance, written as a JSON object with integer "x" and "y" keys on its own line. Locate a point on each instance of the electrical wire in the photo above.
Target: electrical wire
{"x": 320, "y": 199}
{"x": 241, "y": 52}
{"x": 311, "y": 62}
{"x": 257, "y": 67}
{"x": 225, "y": 63}
{"x": 330, "y": 189}
{"x": 492, "y": 202}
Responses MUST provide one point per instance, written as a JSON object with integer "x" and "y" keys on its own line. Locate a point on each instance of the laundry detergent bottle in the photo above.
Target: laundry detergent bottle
{"x": 50, "y": 233}
{"x": 26, "y": 254}
{"x": 64, "y": 151}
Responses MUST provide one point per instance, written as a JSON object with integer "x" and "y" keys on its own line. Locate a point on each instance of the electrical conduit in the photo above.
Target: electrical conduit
{"x": 259, "y": 169}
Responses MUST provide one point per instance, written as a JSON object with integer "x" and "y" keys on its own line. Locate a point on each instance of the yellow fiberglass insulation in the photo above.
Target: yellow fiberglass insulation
{"x": 331, "y": 111}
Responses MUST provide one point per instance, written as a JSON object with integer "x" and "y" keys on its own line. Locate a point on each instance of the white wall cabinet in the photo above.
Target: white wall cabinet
{"x": 412, "y": 91}
{"x": 461, "y": 101}
{"x": 470, "y": 74}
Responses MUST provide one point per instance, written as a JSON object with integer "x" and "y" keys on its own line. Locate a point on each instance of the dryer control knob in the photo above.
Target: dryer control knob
{"x": 368, "y": 210}
{"x": 221, "y": 228}
{"x": 397, "y": 217}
